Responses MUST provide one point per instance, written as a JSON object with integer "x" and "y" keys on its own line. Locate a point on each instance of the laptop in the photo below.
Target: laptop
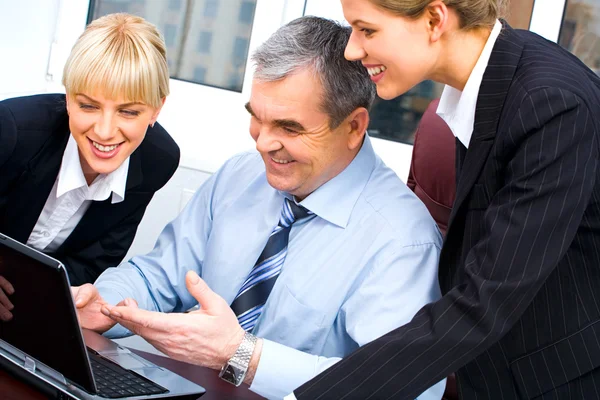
{"x": 44, "y": 344}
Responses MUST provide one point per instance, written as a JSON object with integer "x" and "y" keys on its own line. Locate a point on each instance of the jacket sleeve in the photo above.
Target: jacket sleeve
{"x": 552, "y": 171}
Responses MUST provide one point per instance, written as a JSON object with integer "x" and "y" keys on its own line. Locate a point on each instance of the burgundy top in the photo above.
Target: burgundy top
{"x": 432, "y": 170}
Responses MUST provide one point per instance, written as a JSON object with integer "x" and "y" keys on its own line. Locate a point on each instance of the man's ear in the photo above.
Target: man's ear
{"x": 358, "y": 121}
{"x": 437, "y": 18}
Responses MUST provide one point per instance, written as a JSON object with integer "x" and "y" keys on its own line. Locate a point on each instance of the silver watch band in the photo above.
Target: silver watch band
{"x": 244, "y": 352}
{"x": 235, "y": 370}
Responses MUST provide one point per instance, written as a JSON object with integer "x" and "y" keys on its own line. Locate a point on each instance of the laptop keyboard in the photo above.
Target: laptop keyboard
{"x": 114, "y": 381}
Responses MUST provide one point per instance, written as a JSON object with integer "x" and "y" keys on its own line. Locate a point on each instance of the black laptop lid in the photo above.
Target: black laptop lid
{"x": 44, "y": 323}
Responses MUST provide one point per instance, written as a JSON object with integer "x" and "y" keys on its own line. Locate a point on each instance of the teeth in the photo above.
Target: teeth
{"x": 376, "y": 70}
{"x": 104, "y": 148}
{"x": 280, "y": 161}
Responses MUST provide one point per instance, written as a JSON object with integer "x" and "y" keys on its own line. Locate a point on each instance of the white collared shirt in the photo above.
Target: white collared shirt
{"x": 71, "y": 197}
{"x": 457, "y": 108}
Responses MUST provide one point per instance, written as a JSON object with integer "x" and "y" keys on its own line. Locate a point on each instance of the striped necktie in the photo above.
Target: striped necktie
{"x": 255, "y": 290}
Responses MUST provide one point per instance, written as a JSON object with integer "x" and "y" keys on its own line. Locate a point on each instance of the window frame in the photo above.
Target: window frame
{"x": 547, "y": 17}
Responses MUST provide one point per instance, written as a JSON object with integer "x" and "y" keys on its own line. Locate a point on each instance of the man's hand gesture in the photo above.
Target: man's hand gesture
{"x": 89, "y": 304}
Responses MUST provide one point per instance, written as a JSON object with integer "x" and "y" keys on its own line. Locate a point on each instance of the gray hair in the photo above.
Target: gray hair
{"x": 319, "y": 44}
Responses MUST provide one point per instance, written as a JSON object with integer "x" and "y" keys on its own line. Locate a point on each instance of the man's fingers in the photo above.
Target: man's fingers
{"x": 83, "y": 294}
{"x": 6, "y": 285}
{"x": 147, "y": 324}
{"x": 5, "y": 302}
{"x": 128, "y": 302}
{"x": 136, "y": 329}
{"x": 208, "y": 300}
{"x": 147, "y": 319}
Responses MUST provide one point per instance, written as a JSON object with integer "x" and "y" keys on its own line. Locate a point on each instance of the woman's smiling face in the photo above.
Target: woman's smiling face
{"x": 397, "y": 51}
{"x": 106, "y": 130}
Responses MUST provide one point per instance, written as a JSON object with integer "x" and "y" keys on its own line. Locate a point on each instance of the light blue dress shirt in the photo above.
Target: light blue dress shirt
{"x": 362, "y": 267}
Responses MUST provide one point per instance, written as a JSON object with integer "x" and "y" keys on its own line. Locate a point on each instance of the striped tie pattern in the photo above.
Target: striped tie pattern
{"x": 255, "y": 290}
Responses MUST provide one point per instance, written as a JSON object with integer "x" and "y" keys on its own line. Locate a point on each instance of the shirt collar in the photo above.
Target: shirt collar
{"x": 457, "y": 108}
{"x": 71, "y": 177}
{"x": 334, "y": 200}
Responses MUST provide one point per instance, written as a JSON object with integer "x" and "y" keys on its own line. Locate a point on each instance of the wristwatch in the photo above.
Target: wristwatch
{"x": 234, "y": 371}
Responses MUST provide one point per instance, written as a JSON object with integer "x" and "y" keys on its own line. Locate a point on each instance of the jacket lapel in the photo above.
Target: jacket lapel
{"x": 490, "y": 102}
{"x": 29, "y": 196}
{"x": 101, "y": 215}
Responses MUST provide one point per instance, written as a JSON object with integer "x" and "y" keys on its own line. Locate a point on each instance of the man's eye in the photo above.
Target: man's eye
{"x": 291, "y": 131}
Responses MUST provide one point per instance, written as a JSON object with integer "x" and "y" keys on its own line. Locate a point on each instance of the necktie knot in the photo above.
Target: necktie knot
{"x": 293, "y": 212}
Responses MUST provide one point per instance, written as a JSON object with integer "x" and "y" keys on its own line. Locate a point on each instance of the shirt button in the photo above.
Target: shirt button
{"x": 69, "y": 204}
{"x": 46, "y": 233}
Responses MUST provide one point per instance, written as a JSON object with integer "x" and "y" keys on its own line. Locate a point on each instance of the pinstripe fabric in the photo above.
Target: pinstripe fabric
{"x": 520, "y": 267}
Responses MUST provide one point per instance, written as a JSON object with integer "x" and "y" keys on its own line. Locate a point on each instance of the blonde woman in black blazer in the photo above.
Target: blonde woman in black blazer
{"x": 78, "y": 170}
{"x": 520, "y": 267}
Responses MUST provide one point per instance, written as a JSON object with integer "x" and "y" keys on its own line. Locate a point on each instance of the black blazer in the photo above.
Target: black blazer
{"x": 33, "y": 136}
{"x": 520, "y": 266}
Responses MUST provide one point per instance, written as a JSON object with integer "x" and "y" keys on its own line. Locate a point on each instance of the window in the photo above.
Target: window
{"x": 199, "y": 74}
{"x": 174, "y": 5}
{"x": 189, "y": 36}
{"x": 170, "y": 32}
{"x": 235, "y": 82}
{"x": 519, "y": 13}
{"x": 247, "y": 12}
{"x": 397, "y": 119}
{"x": 580, "y": 31}
{"x": 204, "y": 41}
{"x": 240, "y": 51}
{"x": 210, "y": 8}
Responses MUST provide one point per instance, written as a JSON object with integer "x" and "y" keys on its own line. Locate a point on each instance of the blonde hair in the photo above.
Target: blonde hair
{"x": 473, "y": 14}
{"x": 123, "y": 56}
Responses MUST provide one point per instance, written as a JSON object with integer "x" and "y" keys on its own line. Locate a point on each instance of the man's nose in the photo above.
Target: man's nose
{"x": 267, "y": 141}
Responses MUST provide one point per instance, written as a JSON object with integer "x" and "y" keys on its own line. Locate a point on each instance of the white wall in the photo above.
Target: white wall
{"x": 27, "y": 31}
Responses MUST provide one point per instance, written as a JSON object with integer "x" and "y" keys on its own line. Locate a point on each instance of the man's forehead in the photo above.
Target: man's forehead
{"x": 302, "y": 89}
{"x": 284, "y": 98}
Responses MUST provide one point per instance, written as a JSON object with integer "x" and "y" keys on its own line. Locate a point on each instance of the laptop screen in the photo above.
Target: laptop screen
{"x": 44, "y": 323}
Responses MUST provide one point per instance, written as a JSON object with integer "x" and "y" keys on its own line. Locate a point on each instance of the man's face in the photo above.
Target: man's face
{"x": 300, "y": 151}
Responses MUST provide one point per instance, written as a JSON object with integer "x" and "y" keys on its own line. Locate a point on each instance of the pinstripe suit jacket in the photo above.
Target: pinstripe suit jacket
{"x": 520, "y": 267}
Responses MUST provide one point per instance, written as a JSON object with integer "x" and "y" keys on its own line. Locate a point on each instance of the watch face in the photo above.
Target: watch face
{"x": 231, "y": 374}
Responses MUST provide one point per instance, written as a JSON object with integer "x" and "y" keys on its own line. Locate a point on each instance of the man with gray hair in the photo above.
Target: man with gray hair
{"x": 298, "y": 253}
